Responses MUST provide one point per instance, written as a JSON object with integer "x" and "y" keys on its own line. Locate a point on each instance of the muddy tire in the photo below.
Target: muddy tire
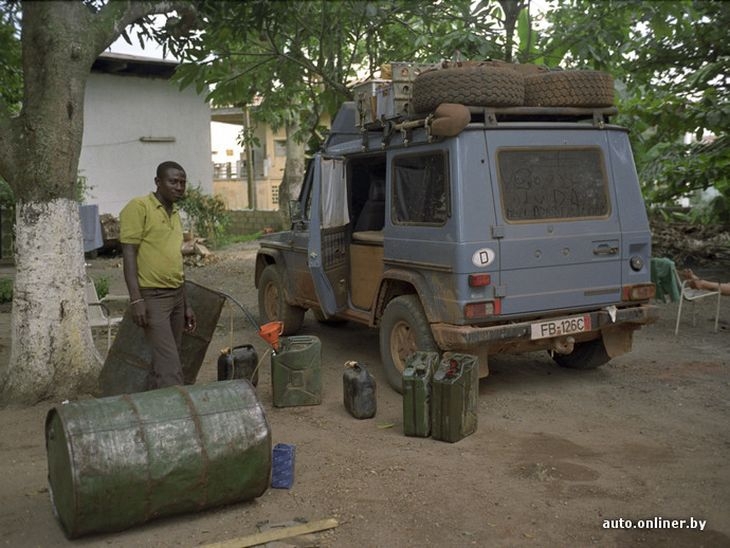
{"x": 570, "y": 88}
{"x": 587, "y": 355}
{"x": 470, "y": 85}
{"x": 404, "y": 329}
{"x": 273, "y": 305}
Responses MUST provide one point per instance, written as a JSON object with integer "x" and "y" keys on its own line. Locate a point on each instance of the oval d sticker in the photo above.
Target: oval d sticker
{"x": 483, "y": 257}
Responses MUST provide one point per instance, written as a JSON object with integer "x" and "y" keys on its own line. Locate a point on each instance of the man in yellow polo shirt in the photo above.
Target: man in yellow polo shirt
{"x": 151, "y": 236}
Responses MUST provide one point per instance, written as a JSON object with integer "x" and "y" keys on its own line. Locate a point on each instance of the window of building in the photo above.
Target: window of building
{"x": 275, "y": 194}
{"x": 280, "y": 148}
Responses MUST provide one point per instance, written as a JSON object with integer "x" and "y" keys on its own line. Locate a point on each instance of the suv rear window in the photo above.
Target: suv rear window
{"x": 552, "y": 183}
{"x": 420, "y": 189}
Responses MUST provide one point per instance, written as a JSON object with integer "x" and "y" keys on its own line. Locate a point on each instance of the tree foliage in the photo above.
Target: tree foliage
{"x": 11, "y": 73}
{"x": 298, "y": 59}
{"x": 671, "y": 61}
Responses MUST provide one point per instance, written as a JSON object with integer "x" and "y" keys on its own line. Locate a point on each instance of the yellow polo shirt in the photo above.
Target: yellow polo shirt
{"x": 144, "y": 222}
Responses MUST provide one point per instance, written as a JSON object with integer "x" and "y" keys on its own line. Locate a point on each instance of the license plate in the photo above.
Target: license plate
{"x": 563, "y": 326}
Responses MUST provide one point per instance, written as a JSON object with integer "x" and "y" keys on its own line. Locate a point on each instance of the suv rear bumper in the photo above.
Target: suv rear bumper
{"x": 462, "y": 337}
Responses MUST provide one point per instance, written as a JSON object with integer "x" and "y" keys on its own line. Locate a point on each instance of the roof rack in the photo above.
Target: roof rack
{"x": 492, "y": 116}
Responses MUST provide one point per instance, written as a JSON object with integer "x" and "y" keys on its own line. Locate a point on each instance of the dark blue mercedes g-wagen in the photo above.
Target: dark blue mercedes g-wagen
{"x": 475, "y": 228}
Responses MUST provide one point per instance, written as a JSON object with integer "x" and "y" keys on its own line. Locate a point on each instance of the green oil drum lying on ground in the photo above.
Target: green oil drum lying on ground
{"x": 455, "y": 397}
{"x": 417, "y": 375}
{"x": 123, "y": 460}
{"x": 295, "y": 372}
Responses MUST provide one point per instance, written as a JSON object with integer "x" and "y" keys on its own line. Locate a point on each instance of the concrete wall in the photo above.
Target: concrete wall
{"x": 118, "y": 111}
{"x": 234, "y": 194}
{"x": 251, "y": 222}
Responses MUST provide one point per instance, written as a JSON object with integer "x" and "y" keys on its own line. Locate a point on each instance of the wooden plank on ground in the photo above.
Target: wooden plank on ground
{"x": 276, "y": 534}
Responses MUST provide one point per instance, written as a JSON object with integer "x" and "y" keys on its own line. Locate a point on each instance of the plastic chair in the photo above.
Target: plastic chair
{"x": 99, "y": 315}
{"x": 690, "y": 294}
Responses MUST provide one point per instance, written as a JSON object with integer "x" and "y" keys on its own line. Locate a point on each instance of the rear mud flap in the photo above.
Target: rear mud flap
{"x": 618, "y": 339}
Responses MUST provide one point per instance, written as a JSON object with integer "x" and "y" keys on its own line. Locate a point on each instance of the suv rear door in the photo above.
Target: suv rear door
{"x": 557, "y": 223}
{"x": 327, "y": 254}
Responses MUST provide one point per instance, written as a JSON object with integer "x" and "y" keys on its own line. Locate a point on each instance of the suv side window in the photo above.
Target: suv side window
{"x": 421, "y": 189}
{"x": 553, "y": 183}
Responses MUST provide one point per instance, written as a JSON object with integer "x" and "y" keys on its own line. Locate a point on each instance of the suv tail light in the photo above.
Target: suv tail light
{"x": 639, "y": 292}
{"x": 484, "y": 309}
{"x": 479, "y": 280}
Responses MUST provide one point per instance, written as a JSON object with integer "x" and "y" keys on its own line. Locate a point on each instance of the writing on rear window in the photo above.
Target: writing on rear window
{"x": 552, "y": 183}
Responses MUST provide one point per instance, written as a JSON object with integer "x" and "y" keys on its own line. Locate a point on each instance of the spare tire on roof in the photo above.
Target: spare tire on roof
{"x": 569, "y": 88}
{"x": 468, "y": 85}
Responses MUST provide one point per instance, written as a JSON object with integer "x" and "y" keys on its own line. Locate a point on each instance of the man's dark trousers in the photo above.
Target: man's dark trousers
{"x": 165, "y": 324}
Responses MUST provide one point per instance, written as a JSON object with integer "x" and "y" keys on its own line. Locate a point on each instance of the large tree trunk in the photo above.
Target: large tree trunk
{"x": 291, "y": 183}
{"x": 54, "y": 354}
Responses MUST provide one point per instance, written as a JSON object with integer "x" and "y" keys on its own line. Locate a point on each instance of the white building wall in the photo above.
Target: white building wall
{"x": 118, "y": 111}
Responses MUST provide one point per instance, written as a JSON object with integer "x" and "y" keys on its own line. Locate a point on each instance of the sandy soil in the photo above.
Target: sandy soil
{"x": 556, "y": 453}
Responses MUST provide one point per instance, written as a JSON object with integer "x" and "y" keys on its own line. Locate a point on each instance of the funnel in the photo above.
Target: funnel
{"x": 270, "y": 333}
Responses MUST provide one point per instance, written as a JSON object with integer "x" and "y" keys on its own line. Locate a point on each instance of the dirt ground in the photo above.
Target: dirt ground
{"x": 557, "y": 452}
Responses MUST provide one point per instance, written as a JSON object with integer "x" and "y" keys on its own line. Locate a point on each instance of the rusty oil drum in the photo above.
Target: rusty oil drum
{"x": 120, "y": 461}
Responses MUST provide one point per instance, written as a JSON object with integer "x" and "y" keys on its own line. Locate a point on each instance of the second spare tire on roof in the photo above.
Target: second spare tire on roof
{"x": 569, "y": 88}
{"x": 469, "y": 85}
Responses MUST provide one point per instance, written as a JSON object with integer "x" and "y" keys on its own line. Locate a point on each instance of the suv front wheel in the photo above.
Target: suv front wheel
{"x": 273, "y": 305}
{"x": 403, "y": 330}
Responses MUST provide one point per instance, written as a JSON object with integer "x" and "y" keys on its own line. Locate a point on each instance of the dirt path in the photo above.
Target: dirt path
{"x": 556, "y": 452}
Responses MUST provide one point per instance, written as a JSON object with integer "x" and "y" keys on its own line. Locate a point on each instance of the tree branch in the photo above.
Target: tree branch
{"x": 113, "y": 18}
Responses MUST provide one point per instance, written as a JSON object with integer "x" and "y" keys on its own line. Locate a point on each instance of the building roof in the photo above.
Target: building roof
{"x": 134, "y": 65}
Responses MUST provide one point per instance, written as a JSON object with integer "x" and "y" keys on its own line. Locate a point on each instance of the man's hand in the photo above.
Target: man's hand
{"x": 139, "y": 312}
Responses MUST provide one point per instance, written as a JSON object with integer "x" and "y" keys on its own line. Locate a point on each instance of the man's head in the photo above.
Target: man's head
{"x": 170, "y": 181}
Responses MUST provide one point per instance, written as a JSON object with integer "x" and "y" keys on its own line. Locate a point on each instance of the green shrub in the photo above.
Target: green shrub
{"x": 6, "y": 290}
{"x": 102, "y": 286}
{"x": 207, "y": 215}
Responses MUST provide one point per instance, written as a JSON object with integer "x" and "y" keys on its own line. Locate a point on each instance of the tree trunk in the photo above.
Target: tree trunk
{"x": 511, "y": 9}
{"x": 53, "y": 355}
{"x": 291, "y": 183}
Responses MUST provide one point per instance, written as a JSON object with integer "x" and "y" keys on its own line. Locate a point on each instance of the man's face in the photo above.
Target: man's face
{"x": 171, "y": 186}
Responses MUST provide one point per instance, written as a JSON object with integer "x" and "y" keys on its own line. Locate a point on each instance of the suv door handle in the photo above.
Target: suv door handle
{"x": 605, "y": 249}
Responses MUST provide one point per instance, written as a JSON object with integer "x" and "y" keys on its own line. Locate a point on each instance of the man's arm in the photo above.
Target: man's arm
{"x": 190, "y": 321}
{"x": 129, "y": 259}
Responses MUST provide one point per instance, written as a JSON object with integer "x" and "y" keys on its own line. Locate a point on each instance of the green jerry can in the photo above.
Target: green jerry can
{"x": 123, "y": 460}
{"x": 417, "y": 375}
{"x": 455, "y": 397}
{"x": 295, "y": 372}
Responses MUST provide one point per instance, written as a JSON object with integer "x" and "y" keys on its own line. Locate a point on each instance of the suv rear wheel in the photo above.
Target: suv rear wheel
{"x": 403, "y": 330}
{"x": 586, "y": 355}
{"x": 273, "y": 305}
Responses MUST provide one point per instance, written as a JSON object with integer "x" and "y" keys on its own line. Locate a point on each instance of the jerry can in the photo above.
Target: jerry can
{"x": 359, "y": 391}
{"x": 455, "y": 397}
{"x": 238, "y": 362}
{"x": 295, "y": 372}
{"x": 417, "y": 375}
